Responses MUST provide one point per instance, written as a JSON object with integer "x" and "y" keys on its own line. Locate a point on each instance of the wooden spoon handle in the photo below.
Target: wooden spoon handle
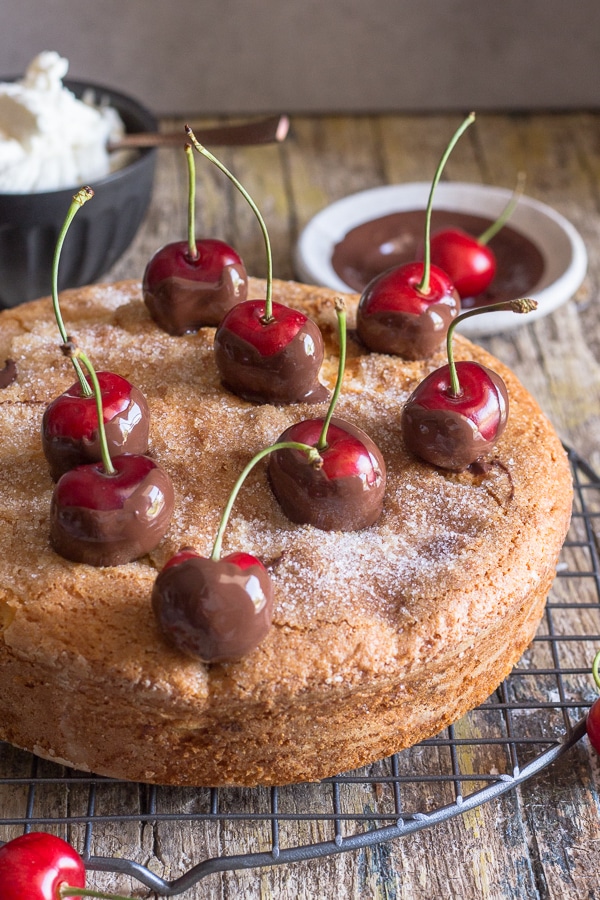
{"x": 259, "y": 131}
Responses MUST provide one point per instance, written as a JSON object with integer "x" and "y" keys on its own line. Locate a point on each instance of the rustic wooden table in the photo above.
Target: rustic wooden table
{"x": 540, "y": 840}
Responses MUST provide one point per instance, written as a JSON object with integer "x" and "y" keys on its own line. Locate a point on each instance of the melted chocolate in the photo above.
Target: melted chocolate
{"x": 215, "y": 611}
{"x": 369, "y": 249}
{"x": 182, "y": 306}
{"x": 8, "y": 374}
{"x": 126, "y": 432}
{"x": 115, "y": 536}
{"x": 308, "y": 495}
{"x": 445, "y": 437}
{"x": 290, "y": 376}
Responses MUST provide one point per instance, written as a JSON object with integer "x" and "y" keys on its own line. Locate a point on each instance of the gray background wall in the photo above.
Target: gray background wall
{"x": 238, "y": 56}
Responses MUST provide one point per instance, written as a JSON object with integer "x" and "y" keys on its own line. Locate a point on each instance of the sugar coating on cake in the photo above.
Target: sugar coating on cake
{"x": 380, "y": 637}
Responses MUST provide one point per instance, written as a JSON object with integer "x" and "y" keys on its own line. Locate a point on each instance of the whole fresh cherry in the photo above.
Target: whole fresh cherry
{"x": 36, "y": 865}
{"x": 110, "y": 512}
{"x": 592, "y": 722}
{"x": 406, "y": 311}
{"x": 468, "y": 260}
{"x": 70, "y": 434}
{"x": 216, "y": 610}
{"x": 191, "y": 284}
{"x": 266, "y": 352}
{"x": 470, "y": 264}
{"x": 41, "y": 866}
{"x": 457, "y": 413}
{"x": 345, "y": 493}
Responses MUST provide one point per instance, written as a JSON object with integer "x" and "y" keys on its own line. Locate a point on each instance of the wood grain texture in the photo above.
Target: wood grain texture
{"x": 535, "y": 843}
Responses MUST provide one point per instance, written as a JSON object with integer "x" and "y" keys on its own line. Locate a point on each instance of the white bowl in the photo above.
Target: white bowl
{"x": 563, "y": 250}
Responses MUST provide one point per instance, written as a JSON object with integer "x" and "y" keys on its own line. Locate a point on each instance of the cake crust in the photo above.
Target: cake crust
{"x": 380, "y": 637}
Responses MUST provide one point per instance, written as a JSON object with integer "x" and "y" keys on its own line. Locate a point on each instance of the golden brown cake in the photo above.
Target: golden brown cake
{"x": 380, "y": 638}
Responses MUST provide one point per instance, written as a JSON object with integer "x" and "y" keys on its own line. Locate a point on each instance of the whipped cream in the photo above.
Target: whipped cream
{"x": 49, "y": 139}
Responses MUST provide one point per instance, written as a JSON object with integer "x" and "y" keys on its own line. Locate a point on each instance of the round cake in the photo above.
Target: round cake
{"x": 380, "y": 637}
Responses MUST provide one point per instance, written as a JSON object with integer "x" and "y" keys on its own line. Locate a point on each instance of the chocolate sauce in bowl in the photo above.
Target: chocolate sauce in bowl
{"x": 391, "y": 240}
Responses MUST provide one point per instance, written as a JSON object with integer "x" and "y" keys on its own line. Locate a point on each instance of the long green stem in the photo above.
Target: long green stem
{"x": 268, "y": 316}
{"x": 76, "y": 353}
{"x": 506, "y": 213}
{"x": 81, "y": 197}
{"x": 314, "y": 458}
{"x": 340, "y": 310}
{"x": 423, "y": 286}
{"x": 523, "y": 305}
{"x": 192, "y": 248}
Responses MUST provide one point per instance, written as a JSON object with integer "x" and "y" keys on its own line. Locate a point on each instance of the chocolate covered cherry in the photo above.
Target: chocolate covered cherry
{"x": 70, "y": 434}
{"x": 266, "y": 352}
{"x": 396, "y": 316}
{"x": 111, "y": 518}
{"x": 191, "y": 284}
{"x": 214, "y": 610}
{"x": 270, "y": 357}
{"x": 458, "y": 412}
{"x": 407, "y": 310}
{"x": 453, "y": 431}
{"x": 345, "y": 493}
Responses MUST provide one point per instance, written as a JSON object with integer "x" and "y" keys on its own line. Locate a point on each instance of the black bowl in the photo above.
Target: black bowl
{"x": 101, "y": 231}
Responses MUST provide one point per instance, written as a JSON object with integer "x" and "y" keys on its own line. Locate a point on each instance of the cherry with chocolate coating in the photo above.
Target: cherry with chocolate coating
{"x": 42, "y": 866}
{"x": 70, "y": 424}
{"x": 454, "y": 431}
{"x": 266, "y": 352}
{"x": 109, "y": 519}
{"x": 407, "y": 310}
{"x": 458, "y": 412}
{"x": 191, "y": 284}
{"x": 216, "y": 610}
{"x": 346, "y": 493}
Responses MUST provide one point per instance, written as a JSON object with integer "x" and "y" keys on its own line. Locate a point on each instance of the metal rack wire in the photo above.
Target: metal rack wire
{"x": 533, "y": 718}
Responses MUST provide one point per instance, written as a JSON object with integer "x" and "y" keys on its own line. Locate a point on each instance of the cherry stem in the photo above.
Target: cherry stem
{"x": 523, "y": 305}
{"x": 65, "y": 890}
{"x": 314, "y": 459}
{"x": 506, "y": 213}
{"x": 81, "y": 197}
{"x": 192, "y": 247}
{"x": 423, "y": 286}
{"x": 268, "y": 315}
{"x": 595, "y": 672}
{"x": 340, "y": 311}
{"x": 75, "y": 353}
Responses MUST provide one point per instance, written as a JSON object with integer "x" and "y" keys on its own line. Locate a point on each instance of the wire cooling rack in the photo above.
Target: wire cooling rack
{"x": 534, "y": 717}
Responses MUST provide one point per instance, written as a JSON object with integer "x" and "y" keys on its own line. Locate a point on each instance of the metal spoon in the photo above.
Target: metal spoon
{"x": 258, "y": 131}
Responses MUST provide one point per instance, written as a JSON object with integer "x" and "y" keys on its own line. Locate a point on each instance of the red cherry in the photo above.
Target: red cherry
{"x": 470, "y": 264}
{"x": 70, "y": 424}
{"x": 453, "y": 431}
{"x": 272, "y": 359}
{"x": 345, "y": 493}
{"x": 184, "y": 293}
{"x": 394, "y": 315}
{"x": 593, "y": 725}
{"x": 110, "y": 519}
{"x": 216, "y": 610}
{"x": 35, "y": 865}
